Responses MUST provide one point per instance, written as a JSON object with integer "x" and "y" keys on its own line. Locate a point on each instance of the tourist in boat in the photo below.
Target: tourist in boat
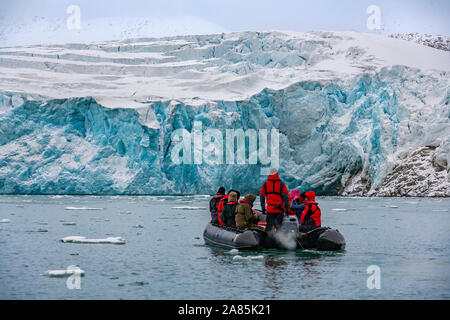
{"x": 222, "y": 204}
{"x": 275, "y": 192}
{"x": 245, "y": 216}
{"x": 229, "y": 210}
{"x": 311, "y": 215}
{"x": 297, "y": 205}
{"x": 213, "y": 205}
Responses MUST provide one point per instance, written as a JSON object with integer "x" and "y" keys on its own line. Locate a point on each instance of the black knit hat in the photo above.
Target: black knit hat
{"x": 221, "y": 190}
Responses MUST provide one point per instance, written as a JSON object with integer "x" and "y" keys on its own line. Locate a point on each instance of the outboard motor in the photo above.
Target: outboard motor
{"x": 290, "y": 224}
{"x": 286, "y": 236}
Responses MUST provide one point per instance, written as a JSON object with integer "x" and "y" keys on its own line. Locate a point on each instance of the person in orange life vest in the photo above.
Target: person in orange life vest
{"x": 277, "y": 196}
{"x": 213, "y": 203}
{"x": 229, "y": 211}
{"x": 311, "y": 215}
{"x": 222, "y": 204}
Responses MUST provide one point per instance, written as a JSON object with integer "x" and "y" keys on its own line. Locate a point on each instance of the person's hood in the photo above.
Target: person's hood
{"x": 237, "y": 192}
{"x": 294, "y": 193}
{"x": 310, "y": 195}
{"x": 274, "y": 176}
{"x": 250, "y": 198}
{"x": 232, "y": 196}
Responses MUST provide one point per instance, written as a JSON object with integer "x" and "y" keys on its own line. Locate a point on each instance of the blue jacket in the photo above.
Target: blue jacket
{"x": 297, "y": 208}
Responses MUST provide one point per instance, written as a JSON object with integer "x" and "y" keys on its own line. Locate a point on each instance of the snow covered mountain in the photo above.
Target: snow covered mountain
{"x": 357, "y": 114}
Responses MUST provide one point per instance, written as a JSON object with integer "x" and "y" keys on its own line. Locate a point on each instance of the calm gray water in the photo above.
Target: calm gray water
{"x": 165, "y": 256}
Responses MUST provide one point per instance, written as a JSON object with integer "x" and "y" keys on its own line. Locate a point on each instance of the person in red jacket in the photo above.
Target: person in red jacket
{"x": 220, "y": 207}
{"x": 222, "y": 204}
{"x": 213, "y": 203}
{"x": 310, "y": 218}
{"x": 274, "y": 193}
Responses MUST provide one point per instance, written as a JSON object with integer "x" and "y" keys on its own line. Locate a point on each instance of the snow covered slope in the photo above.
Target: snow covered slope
{"x": 437, "y": 42}
{"x": 98, "y": 118}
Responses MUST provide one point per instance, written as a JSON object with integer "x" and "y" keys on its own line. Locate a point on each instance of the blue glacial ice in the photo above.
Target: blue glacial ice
{"x": 333, "y": 133}
{"x": 77, "y": 146}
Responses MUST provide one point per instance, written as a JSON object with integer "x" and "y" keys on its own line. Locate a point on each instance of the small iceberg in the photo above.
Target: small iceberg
{"x": 69, "y": 224}
{"x": 339, "y": 210}
{"x": 189, "y": 208}
{"x": 63, "y": 273}
{"x": 81, "y": 208}
{"x": 233, "y": 252}
{"x": 78, "y": 239}
{"x": 392, "y": 206}
{"x": 5, "y": 221}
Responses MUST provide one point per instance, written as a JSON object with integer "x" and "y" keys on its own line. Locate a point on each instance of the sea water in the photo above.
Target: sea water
{"x": 397, "y": 248}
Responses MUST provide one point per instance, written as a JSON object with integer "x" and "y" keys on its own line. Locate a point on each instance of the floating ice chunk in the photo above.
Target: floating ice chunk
{"x": 78, "y": 239}
{"x": 184, "y": 201}
{"x": 339, "y": 209}
{"x": 233, "y": 252}
{"x": 392, "y": 206}
{"x": 189, "y": 208}
{"x": 69, "y": 224}
{"x": 5, "y": 221}
{"x": 238, "y": 257}
{"x": 63, "y": 273}
{"x": 81, "y": 208}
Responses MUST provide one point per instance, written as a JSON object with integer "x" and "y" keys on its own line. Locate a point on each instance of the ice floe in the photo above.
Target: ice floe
{"x": 63, "y": 273}
{"x": 81, "y": 208}
{"x": 189, "y": 208}
{"x": 79, "y": 239}
{"x": 238, "y": 257}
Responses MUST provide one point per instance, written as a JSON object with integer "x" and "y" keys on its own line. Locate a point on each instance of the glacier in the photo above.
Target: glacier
{"x": 357, "y": 114}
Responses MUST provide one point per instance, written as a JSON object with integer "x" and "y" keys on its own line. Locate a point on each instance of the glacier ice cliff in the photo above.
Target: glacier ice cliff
{"x": 350, "y": 122}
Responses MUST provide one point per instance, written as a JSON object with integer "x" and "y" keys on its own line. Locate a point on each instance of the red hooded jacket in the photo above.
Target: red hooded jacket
{"x": 272, "y": 192}
{"x": 311, "y": 211}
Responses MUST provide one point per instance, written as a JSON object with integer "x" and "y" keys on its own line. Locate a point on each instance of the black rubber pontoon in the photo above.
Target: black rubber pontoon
{"x": 322, "y": 238}
{"x": 232, "y": 238}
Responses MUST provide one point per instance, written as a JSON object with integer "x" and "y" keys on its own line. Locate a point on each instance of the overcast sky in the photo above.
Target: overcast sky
{"x": 430, "y": 16}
